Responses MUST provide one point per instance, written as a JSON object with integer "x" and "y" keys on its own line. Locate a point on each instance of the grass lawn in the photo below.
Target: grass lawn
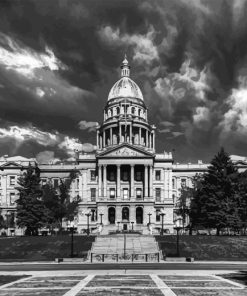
{"x": 42, "y": 248}
{"x": 239, "y": 277}
{"x": 205, "y": 247}
{"x": 5, "y": 279}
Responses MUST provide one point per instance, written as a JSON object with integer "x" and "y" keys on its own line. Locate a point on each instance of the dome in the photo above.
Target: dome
{"x": 125, "y": 88}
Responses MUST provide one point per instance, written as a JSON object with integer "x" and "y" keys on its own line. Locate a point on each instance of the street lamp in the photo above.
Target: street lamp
{"x": 178, "y": 227}
{"x": 101, "y": 214}
{"x": 149, "y": 216}
{"x": 162, "y": 222}
{"x": 8, "y": 214}
{"x": 88, "y": 215}
{"x": 72, "y": 239}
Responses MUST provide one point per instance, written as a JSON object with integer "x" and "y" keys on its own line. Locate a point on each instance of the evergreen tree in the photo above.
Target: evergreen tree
{"x": 215, "y": 203}
{"x": 241, "y": 201}
{"x": 30, "y": 207}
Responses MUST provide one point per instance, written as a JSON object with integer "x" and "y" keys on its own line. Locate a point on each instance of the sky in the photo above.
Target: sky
{"x": 59, "y": 60}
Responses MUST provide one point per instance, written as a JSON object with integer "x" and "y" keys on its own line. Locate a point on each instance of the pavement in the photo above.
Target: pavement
{"x": 122, "y": 282}
{"x": 198, "y": 265}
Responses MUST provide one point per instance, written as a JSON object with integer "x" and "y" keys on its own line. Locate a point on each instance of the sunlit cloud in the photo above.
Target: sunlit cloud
{"x": 18, "y": 57}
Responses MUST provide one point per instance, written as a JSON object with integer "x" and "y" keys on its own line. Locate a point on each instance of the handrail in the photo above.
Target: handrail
{"x": 116, "y": 257}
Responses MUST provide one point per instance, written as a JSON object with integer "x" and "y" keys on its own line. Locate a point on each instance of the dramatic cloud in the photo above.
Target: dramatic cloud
{"x": 88, "y": 125}
{"x": 144, "y": 49}
{"x": 59, "y": 59}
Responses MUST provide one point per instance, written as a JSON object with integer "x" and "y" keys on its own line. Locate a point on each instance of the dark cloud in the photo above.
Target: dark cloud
{"x": 59, "y": 59}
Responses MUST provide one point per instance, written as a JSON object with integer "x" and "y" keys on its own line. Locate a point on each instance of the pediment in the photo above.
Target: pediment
{"x": 125, "y": 151}
{"x": 11, "y": 164}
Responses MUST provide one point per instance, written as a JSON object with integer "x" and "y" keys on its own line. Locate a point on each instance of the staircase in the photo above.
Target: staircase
{"x": 135, "y": 244}
{"x": 112, "y": 228}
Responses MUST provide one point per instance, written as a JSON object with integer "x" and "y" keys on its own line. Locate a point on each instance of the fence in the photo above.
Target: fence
{"x": 149, "y": 257}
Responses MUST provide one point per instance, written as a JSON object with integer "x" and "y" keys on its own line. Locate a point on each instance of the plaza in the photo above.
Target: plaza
{"x": 141, "y": 282}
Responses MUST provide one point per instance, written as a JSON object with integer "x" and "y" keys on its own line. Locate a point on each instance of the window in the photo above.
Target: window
{"x": 125, "y": 193}
{"x": 157, "y": 175}
{"x": 77, "y": 183}
{"x": 55, "y": 183}
{"x": 138, "y": 193}
{"x": 112, "y": 176}
{"x": 158, "y": 215}
{"x": 93, "y": 175}
{"x": 133, "y": 110}
{"x": 138, "y": 176}
{"x": 158, "y": 194}
{"x": 183, "y": 182}
{"x": 43, "y": 182}
{"x": 112, "y": 193}
{"x": 12, "y": 198}
{"x": 93, "y": 215}
{"x": 173, "y": 183}
{"x": 125, "y": 176}
{"x": 12, "y": 181}
{"x": 93, "y": 194}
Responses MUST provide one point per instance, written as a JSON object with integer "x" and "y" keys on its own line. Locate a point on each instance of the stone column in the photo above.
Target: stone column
{"x": 131, "y": 138}
{"x": 150, "y": 146}
{"x": 140, "y": 135}
{"x": 146, "y": 181}
{"x": 104, "y": 179}
{"x": 146, "y": 141}
{"x": 100, "y": 180}
{"x": 151, "y": 181}
{"x": 120, "y": 133}
{"x": 118, "y": 181}
{"x": 97, "y": 139}
{"x": 153, "y": 140}
{"x": 132, "y": 181}
{"x": 103, "y": 139}
{"x": 111, "y": 141}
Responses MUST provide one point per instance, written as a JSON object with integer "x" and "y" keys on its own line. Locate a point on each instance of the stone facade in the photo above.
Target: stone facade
{"x": 125, "y": 184}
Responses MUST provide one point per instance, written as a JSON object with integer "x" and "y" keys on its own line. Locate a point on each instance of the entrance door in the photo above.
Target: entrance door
{"x": 139, "y": 215}
{"x": 111, "y": 215}
{"x": 125, "y": 213}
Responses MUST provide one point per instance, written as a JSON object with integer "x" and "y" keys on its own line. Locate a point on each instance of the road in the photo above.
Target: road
{"x": 123, "y": 266}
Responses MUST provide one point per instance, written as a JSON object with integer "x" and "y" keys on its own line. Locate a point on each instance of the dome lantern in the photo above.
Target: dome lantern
{"x": 125, "y": 72}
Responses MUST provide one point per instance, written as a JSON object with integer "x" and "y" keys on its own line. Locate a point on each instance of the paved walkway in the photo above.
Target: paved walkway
{"x": 115, "y": 283}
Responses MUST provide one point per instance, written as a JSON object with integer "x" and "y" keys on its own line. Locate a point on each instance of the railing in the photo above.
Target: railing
{"x": 149, "y": 257}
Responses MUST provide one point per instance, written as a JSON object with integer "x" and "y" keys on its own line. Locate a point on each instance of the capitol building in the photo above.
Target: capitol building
{"x": 125, "y": 184}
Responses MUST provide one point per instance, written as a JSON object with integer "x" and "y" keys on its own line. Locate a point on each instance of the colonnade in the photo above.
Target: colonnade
{"x": 143, "y": 137}
{"x": 148, "y": 180}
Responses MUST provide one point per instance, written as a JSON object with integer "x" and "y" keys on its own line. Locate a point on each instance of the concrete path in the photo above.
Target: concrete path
{"x": 115, "y": 283}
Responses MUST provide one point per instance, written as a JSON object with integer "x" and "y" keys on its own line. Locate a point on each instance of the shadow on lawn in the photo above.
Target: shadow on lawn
{"x": 239, "y": 277}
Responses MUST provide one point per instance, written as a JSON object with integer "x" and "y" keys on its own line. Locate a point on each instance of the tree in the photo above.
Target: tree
{"x": 30, "y": 207}
{"x": 183, "y": 203}
{"x": 214, "y": 204}
{"x": 58, "y": 202}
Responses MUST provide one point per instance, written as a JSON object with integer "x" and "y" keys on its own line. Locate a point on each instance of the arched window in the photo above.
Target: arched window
{"x": 133, "y": 110}
{"x": 139, "y": 112}
{"x": 117, "y": 110}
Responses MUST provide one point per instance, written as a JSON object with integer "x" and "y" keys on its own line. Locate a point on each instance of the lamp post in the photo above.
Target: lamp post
{"x": 162, "y": 222}
{"x": 88, "y": 215}
{"x": 178, "y": 228}
{"x": 8, "y": 214}
{"x": 132, "y": 225}
{"x": 72, "y": 239}
{"x": 149, "y": 216}
{"x": 101, "y": 214}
